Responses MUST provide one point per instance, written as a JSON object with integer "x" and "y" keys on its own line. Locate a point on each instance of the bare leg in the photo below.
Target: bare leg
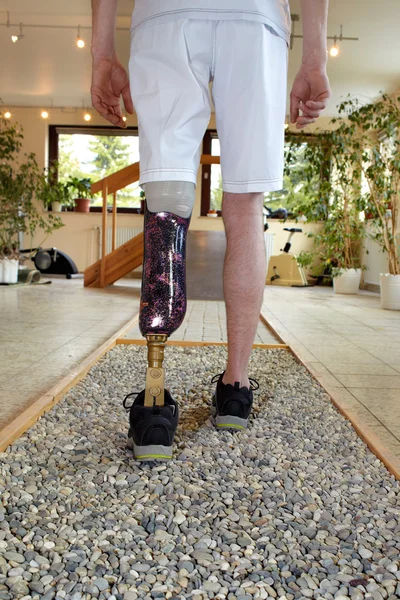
{"x": 244, "y": 278}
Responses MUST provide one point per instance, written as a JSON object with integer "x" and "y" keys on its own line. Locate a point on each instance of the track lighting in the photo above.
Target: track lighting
{"x": 79, "y": 41}
{"x": 15, "y": 38}
{"x": 334, "y": 51}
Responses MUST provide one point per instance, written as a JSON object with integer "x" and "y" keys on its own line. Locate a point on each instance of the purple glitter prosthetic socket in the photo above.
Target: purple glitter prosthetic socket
{"x": 163, "y": 295}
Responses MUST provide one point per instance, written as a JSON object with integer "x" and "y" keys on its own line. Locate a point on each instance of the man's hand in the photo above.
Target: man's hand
{"x": 109, "y": 82}
{"x": 309, "y": 95}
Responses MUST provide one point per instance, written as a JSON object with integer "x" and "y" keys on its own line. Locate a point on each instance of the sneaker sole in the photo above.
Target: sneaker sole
{"x": 228, "y": 421}
{"x": 151, "y": 452}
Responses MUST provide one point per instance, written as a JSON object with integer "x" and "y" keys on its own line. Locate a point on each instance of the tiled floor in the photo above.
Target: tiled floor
{"x": 205, "y": 321}
{"x": 46, "y": 330}
{"x": 350, "y": 344}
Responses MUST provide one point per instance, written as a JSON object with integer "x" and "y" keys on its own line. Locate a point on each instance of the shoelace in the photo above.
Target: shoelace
{"x": 156, "y": 409}
{"x": 126, "y": 398}
{"x": 254, "y": 385}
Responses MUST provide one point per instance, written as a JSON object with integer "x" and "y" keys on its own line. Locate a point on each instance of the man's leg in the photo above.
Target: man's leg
{"x": 244, "y": 278}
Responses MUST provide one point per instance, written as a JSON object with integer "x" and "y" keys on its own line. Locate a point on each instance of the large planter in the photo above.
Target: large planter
{"x": 82, "y": 204}
{"x": 8, "y": 270}
{"x": 347, "y": 282}
{"x": 56, "y": 207}
{"x": 390, "y": 291}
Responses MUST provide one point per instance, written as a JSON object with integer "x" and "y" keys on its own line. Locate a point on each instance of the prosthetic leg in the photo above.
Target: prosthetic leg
{"x": 153, "y": 416}
{"x": 163, "y": 297}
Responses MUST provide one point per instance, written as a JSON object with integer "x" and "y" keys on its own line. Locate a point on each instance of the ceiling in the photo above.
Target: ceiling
{"x": 46, "y": 66}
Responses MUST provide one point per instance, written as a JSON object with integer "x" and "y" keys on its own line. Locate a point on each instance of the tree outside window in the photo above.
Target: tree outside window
{"x": 86, "y": 155}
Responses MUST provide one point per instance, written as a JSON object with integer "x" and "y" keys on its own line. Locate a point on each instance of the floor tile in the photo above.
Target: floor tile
{"x": 384, "y": 404}
{"x": 377, "y": 382}
{"x": 353, "y": 355}
{"x": 342, "y": 368}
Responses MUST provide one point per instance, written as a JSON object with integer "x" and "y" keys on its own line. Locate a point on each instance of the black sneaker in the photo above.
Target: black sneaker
{"x": 232, "y": 404}
{"x": 152, "y": 429}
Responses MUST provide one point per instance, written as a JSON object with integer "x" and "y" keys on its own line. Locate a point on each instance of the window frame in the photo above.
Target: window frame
{"x": 54, "y": 132}
{"x": 310, "y": 138}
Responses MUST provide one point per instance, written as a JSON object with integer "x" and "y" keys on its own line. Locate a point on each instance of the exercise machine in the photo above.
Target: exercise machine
{"x": 52, "y": 261}
{"x": 283, "y": 269}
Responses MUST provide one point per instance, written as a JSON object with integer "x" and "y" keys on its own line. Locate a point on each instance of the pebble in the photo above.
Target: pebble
{"x": 179, "y": 518}
{"x": 20, "y": 588}
{"x": 364, "y": 552}
{"x": 48, "y": 545}
{"x": 101, "y": 584}
{"x": 14, "y": 557}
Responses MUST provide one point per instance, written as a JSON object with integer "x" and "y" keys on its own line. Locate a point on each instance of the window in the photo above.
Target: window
{"x": 211, "y": 189}
{"x": 96, "y": 152}
{"x": 298, "y": 190}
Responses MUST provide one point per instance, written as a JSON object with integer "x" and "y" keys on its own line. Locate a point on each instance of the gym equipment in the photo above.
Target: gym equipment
{"x": 284, "y": 269}
{"x": 163, "y": 294}
{"x": 277, "y": 213}
{"x": 52, "y": 262}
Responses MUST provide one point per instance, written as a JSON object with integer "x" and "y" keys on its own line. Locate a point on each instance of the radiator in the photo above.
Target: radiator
{"x": 123, "y": 234}
{"x": 269, "y": 245}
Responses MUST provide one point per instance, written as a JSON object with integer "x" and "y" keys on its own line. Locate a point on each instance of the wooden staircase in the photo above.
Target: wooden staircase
{"x": 120, "y": 261}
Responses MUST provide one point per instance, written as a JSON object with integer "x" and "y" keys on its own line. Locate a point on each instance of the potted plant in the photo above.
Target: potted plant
{"x": 331, "y": 195}
{"x": 19, "y": 184}
{"x": 337, "y": 249}
{"x": 52, "y": 192}
{"x": 372, "y": 132}
{"x": 80, "y": 190}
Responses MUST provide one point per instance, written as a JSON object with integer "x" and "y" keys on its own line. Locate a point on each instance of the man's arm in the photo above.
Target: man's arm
{"x": 311, "y": 89}
{"x": 104, "y": 18}
{"x": 109, "y": 78}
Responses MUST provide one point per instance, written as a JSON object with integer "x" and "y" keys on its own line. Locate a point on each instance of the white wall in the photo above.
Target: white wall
{"x": 376, "y": 261}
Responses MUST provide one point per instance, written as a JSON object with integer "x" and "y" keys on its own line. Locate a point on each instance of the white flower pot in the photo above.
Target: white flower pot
{"x": 56, "y": 207}
{"x": 8, "y": 270}
{"x": 347, "y": 282}
{"x": 390, "y": 291}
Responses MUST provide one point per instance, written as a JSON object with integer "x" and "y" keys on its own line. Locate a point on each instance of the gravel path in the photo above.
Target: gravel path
{"x": 296, "y": 507}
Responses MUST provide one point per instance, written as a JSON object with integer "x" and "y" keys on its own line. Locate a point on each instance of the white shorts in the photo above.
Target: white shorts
{"x": 171, "y": 65}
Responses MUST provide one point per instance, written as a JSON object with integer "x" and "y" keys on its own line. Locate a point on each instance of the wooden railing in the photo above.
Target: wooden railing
{"x": 111, "y": 185}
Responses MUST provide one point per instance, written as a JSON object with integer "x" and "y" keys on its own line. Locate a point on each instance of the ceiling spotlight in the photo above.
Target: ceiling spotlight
{"x": 124, "y": 118}
{"x": 44, "y": 114}
{"x": 286, "y": 125}
{"x": 7, "y": 114}
{"x": 15, "y": 38}
{"x": 334, "y": 51}
{"x": 79, "y": 41}
{"x": 87, "y": 116}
